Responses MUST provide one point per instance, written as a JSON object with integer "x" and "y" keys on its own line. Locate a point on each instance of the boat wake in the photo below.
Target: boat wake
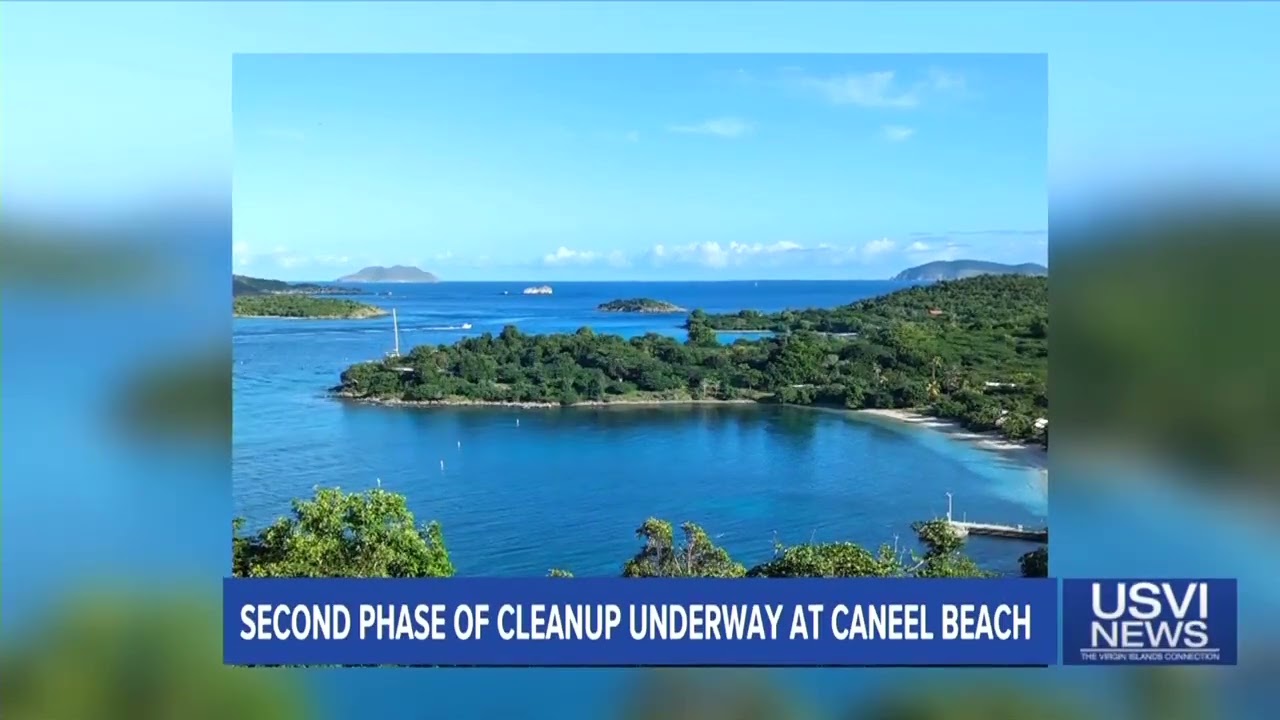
{"x": 439, "y": 328}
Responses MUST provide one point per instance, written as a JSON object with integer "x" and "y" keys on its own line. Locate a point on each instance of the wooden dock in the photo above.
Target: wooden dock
{"x": 1017, "y": 532}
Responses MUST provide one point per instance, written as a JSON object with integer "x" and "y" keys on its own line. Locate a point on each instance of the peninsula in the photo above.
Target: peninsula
{"x": 640, "y": 305}
{"x": 245, "y": 285}
{"x": 960, "y": 269}
{"x": 393, "y": 274}
{"x": 302, "y": 306}
{"x": 973, "y": 350}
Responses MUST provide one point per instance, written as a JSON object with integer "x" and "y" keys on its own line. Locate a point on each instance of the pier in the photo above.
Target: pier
{"x": 964, "y": 528}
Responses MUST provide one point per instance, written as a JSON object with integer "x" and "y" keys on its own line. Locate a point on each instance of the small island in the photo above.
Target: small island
{"x": 393, "y": 274}
{"x": 538, "y": 290}
{"x": 302, "y": 306}
{"x": 640, "y": 305}
{"x": 245, "y": 285}
{"x": 960, "y": 269}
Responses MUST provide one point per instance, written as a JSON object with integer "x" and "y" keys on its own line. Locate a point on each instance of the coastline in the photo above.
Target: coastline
{"x": 1029, "y": 454}
{"x": 676, "y": 311}
{"x": 311, "y": 317}
{"x": 534, "y": 405}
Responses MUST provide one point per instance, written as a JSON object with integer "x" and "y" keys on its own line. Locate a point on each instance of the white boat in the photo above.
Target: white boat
{"x": 466, "y": 326}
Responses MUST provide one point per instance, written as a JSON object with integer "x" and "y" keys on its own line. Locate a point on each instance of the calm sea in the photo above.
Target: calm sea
{"x": 520, "y": 492}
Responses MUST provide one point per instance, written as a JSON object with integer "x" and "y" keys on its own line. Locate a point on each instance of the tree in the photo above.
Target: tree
{"x": 661, "y": 557}
{"x": 699, "y": 557}
{"x": 336, "y": 534}
{"x": 977, "y": 364}
{"x": 1035, "y": 564}
{"x": 827, "y": 560}
{"x": 943, "y": 557}
{"x": 1018, "y": 426}
{"x": 701, "y": 334}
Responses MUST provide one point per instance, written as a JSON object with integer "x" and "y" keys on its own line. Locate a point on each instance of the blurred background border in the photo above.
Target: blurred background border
{"x": 115, "y": 176}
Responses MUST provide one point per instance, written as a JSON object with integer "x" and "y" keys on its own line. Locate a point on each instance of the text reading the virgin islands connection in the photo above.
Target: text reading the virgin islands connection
{"x": 554, "y": 622}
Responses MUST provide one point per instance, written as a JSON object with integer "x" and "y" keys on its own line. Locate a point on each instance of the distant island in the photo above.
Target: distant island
{"x": 245, "y": 285}
{"x": 960, "y": 269}
{"x": 393, "y": 274}
{"x": 973, "y": 350}
{"x": 538, "y": 290}
{"x": 640, "y": 305}
{"x": 302, "y": 306}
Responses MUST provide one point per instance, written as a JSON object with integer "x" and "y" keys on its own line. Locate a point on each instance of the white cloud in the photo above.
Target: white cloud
{"x": 874, "y": 89}
{"x": 715, "y": 255}
{"x": 725, "y": 127}
{"x": 243, "y": 256}
{"x": 785, "y": 253}
{"x": 564, "y": 256}
{"x": 881, "y": 89}
{"x": 930, "y": 252}
{"x": 897, "y": 133}
{"x": 945, "y": 81}
{"x": 877, "y": 247}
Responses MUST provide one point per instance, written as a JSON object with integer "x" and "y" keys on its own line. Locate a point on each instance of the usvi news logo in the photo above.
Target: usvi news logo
{"x": 1149, "y": 622}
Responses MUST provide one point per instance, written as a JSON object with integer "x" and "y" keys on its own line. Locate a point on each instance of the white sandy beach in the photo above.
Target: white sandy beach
{"x": 1031, "y": 455}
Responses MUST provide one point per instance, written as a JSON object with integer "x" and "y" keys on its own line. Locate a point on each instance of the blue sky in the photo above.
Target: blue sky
{"x": 564, "y": 167}
{"x": 115, "y": 109}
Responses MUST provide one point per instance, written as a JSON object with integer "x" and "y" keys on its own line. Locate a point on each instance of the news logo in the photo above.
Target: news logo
{"x": 1149, "y": 622}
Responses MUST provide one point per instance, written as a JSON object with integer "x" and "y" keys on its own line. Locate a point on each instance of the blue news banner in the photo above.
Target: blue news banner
{"x": 558, "y": 622}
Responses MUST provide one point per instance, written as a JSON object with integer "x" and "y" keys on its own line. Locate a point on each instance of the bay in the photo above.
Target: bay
{"x": 521, "y": 491}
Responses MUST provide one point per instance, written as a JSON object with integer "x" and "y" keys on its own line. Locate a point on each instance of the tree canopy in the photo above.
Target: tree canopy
{"x": 640, "y": 305}
{"x": 373, "y": 534}
{"x": 337, "y": 534}
{"x": 1035, "y": 564}
{"x": 698, "y": 556}
{"x": 301, "y": 306}
{"x": 975, "y": 350}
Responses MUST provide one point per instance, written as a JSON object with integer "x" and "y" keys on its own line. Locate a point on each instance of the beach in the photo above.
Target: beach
{"x": 1032, "y": 455}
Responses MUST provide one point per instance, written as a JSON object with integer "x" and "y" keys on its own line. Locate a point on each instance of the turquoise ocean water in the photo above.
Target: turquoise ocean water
{"x": 522, "y": 491}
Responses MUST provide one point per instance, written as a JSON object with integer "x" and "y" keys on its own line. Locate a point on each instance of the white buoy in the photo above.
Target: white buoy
{"x": 517, "y": 422}
{"x": 442, "y": 465}
{"x": 379, "y": 481}
{"x": 459, "y": 444}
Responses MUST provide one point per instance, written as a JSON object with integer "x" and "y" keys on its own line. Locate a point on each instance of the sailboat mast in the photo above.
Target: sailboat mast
{"x": 395, "y": 323}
